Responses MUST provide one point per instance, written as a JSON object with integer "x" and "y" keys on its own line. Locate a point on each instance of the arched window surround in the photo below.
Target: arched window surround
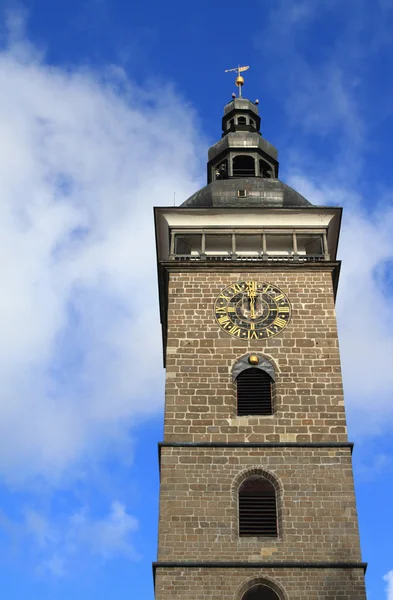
{"x": 243, "y": 476}
{"x": 266, "y": 365}
{"x": 268, "y": 581}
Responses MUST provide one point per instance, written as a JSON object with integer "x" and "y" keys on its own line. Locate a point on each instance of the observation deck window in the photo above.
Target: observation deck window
{"x": 264, "y": 245}
{"x": 188, "y": 245}
{"x": 310, "y": 245}
{"x": 248, "y": 245}
{"x": 218, "y": 245}
{"x": 279, "y": 245}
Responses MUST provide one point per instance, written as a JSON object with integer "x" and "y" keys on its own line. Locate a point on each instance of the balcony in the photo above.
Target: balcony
{"x": 267, "y": 246}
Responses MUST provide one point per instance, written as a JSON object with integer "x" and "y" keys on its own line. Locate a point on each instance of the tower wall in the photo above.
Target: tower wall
{"x": 302, "y": 448}
{"x": 290, "y": 583}
{"x": 200, "y": 395}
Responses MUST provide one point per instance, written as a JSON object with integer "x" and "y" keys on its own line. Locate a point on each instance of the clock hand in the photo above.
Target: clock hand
{"x": 252, "y": 297}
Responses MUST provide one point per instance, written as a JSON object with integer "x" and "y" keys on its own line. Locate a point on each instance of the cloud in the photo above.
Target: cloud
{"x": 56, "y": 544}
{"x": 364, "y": 300}
{"x": 324, "y": 93}
{"x": 83, "y": 158}
{"x": 106, "y": 537}
{"x": 389, "y": 588}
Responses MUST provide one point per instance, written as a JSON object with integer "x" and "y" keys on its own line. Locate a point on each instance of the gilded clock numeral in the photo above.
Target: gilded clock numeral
{"x": 283, "y": 309}
{"x": 221, "y": 310}
{"x": 252, "y": 335}
{"x": 279, "y": 322}
{"x": 236, "y": 287}
{"x": 269, "y": 332}
{"x": 223, "y": 297}
{"x": 225, "y": 320}
{"x": 231, "y": 309}
{"x": 235, "y": 330}
{"x": 279, "y": 297}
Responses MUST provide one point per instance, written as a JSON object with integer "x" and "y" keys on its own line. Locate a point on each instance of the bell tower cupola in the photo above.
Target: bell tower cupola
{"x": 242, "y": 152}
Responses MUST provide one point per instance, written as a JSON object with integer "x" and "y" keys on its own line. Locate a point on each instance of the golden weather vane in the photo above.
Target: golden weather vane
{"x": 239, "y": 79}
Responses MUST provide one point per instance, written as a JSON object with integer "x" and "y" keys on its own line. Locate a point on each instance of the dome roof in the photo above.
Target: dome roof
{"x": 260, "y": 193}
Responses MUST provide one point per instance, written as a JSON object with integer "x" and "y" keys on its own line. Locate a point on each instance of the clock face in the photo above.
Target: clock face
{"x": 252, "y": 310}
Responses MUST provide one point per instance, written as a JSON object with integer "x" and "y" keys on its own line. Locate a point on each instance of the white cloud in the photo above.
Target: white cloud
{"x": 83, "y": 158}
{"x": 58, "y": 543}
{"x": 106, "y": 537}
{"x": 389, "y": 587}
{"x": 364, "y": 300}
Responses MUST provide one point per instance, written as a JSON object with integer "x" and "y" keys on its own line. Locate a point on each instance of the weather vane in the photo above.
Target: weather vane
{"x": 239, "y": 79}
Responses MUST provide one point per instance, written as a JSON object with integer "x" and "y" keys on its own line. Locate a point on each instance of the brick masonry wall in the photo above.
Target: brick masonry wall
{"x": 200, "y": 395}
{"x": 315, "y": 498}
{"x": 231, "y": 584}
{"x": 198, "y": 497}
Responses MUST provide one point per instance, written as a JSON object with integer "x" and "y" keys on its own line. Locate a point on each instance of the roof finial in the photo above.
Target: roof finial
{"x": 239, "y": 79}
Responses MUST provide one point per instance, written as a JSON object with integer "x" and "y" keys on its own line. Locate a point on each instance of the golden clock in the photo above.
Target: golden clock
{"x": 251, "y": 310}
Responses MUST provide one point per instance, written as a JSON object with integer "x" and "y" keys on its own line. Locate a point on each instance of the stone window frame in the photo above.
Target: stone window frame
{"x": 265, "y": 364}
{"x": 268, "y": 581}
{"x": 273, "y": 479}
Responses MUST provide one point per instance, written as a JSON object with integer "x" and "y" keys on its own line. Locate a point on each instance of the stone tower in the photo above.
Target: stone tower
{"x": 257, "y": 498}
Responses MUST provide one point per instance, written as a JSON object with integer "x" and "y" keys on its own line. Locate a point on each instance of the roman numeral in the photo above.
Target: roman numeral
{"x": 283, "y": 309}
{"x": 236, "y": 287}
{"x": 279, "y": 322}
{"x": 224, "y": 320}
{"x": 223, "y": 297}
{"x": 235, "y": 330}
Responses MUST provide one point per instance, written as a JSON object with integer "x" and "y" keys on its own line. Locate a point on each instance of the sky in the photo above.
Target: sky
{"x": 107, "y": 108}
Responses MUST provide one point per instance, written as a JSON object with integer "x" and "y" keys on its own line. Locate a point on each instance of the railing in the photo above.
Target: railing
{"x": 259, "y": 258}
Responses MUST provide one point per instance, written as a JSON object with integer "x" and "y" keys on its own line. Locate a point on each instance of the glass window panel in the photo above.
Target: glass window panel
{"x": 248, "y": 245}
{"x": 188, "y": 244}
{"x": 279, "y": 244}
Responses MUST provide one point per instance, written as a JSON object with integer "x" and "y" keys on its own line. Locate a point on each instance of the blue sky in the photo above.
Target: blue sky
{"x": 107, "y": 109}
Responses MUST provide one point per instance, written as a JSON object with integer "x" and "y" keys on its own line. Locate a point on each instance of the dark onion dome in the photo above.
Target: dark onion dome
{"x": 249, "y": 192}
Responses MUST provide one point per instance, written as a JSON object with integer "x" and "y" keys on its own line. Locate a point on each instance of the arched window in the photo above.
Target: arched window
{"x": 243, "y": 166}
{"x": 260, "y": 592}
{"x": 242, "y": 121}
{"x": 265, "y": 170}
{"x": 254, "y": 392}
{"x": 257, "y": 508}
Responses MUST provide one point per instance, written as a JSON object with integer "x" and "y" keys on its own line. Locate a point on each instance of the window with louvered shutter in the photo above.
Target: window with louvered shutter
{"x": 254, "y": 393}
{"x": 260, "y": 592}
{"x": 257, "y": 508}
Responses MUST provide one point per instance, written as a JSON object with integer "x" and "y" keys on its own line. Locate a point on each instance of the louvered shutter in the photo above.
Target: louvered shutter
{"x": 254, "y": 393}
{"x": 257, "y": 508}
